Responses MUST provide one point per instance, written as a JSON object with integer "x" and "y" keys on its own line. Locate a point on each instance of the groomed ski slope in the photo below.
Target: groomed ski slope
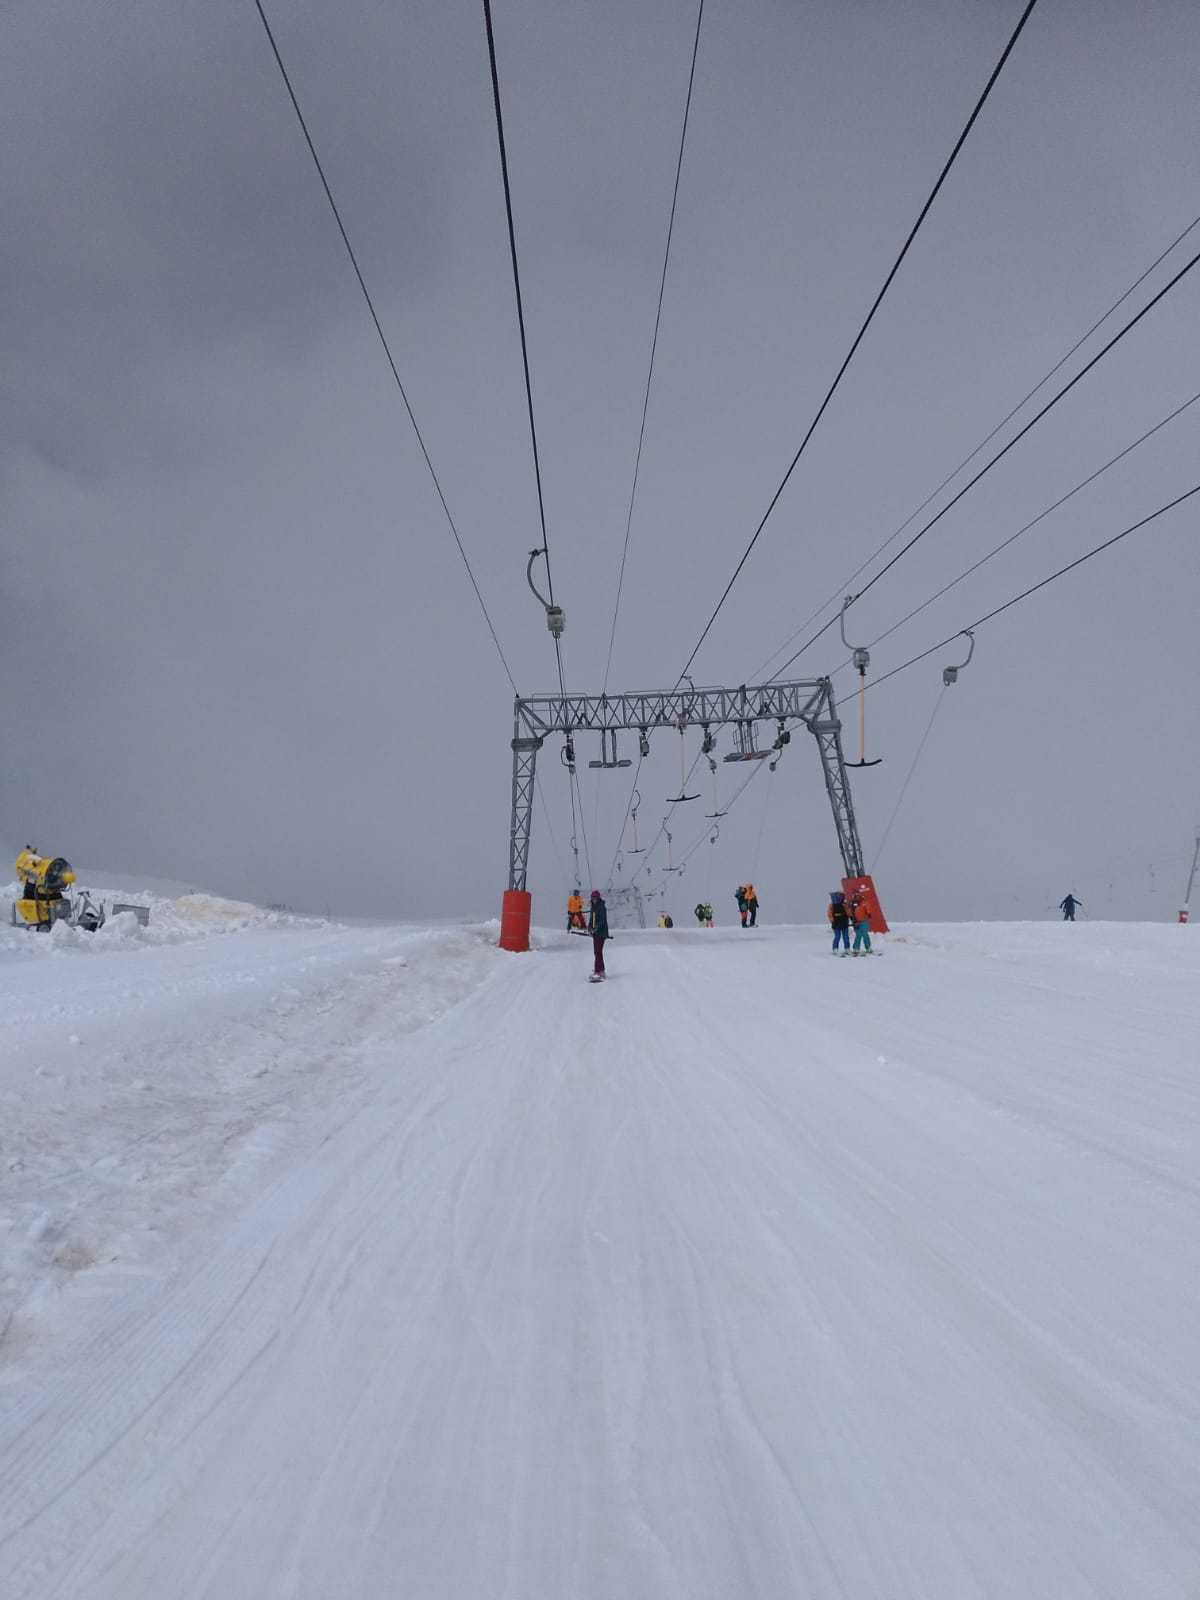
{"x": 751, "y": 1272}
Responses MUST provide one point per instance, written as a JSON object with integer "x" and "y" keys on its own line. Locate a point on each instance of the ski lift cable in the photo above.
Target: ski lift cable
{"x": 762, "y": 824}
{"x": 687, "y": 107}
{"x": 1013, "y": 537}
{"x": 587, "y": 855}
{"x": 937, "y": 706}
{"x": 628, "y": 808}
{"x": 550, "y": 829}
{"x": 516, "y": 272}
{"x": 861, "y": 334}
{"x": 1000, "y": 454}
{"x": 1016, "y": 599}
{"x": 383, "y": 339}
{"x": 755, "y": 769}
{"x": 670, "y": 812}
{"x": 983, "y": 443}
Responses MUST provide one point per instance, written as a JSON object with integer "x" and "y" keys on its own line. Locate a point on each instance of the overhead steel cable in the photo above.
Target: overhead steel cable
{"x": 383, "y": 339}
{"x": 989, "y": 616}
{"x": 662, "y": 286}
{"x": 860, "y": 335}
{"x": 516, "y": 271}
{"x": 1034, "y": 588}
{"x": 844, "y": 586}
{"x": 937, "y": 706}
{"x": 587, "y": 855}
{"x": 612, "y": 870}
{"x": 999, "y": 456}
{"x": 1041, "y": 516}
{"x": 729, "y": 805}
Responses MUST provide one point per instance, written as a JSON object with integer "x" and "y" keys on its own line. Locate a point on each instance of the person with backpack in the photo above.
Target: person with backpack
{"x": 1067, "y": 906}
{"x": 743, "y": 907}
{"x": 704, "y": 914}
{"x": 839, "y": 921}
{"x": 751, "y": 904}
{"x": 598, "y": 928}
{"x": 860, "y": 916}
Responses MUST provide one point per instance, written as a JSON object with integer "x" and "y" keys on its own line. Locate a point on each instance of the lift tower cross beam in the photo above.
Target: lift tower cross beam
{"x": 807, "y": 700}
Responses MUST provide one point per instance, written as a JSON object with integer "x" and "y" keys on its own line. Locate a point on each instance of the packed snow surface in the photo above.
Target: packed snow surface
{"x": 361, "y": 1262}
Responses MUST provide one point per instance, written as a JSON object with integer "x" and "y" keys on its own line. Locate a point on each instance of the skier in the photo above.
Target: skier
{"x": 1067, "y": 907}
{"x": 665, "y": 920}
{"x": 575, "y": 911}
{"x": 598, "y": 928}
{"x": 742, "y": 903}
{"x": 751, "y": 903}
{"x": 839, "y": 921}
{"x": 704, "y": 914}
{"x": 861, "y": 918}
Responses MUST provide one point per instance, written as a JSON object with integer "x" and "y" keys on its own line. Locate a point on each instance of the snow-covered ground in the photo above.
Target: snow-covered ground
{"x": 345, "y": 1261}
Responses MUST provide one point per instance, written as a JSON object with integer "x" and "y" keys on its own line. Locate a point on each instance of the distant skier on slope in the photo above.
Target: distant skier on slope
{"x": 598, "y": 928}
{"x": 743, "y": 907}
{"x": 751, "y": 903}
{"x": 839, "y": 921}
{"x": 704, "y": 914}
{"x": 1067, "y": 906}
{"x": 575, "y": 911}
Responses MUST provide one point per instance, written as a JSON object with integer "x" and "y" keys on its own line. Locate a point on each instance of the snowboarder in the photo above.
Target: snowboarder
{"x": 1067, "y": 906}
{"x": 704, "y": 914}
{"x": 751, "y": 903}
{"x": 860, "y": 916}
{"x": 839, "y": 921}
{"x": 598, "y": 928}
{"x": 575, "y": 911}
{"x": 742, "y": 905}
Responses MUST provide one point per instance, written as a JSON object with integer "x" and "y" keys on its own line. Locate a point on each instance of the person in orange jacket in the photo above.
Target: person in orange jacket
{"x": 860, "y": 916}
{"x": 751, "y": 903}
{"x": 575, "y": 911}
{"x": 839, "y": 920}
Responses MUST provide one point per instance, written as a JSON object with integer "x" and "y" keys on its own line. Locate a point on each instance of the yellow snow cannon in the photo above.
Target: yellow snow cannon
{"x": 42, "y": 902}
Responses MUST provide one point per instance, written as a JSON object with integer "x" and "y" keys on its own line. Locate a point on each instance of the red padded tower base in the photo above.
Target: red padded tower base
{"x": 515, "y": 912}
{"x": 864, "y": 889}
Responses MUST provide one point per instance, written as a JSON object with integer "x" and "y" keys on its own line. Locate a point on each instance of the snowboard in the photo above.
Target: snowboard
{"x": 596, "y": 977}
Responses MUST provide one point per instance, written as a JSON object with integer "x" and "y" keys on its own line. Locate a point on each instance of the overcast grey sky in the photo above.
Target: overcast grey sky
{"x": 238, "y": 644}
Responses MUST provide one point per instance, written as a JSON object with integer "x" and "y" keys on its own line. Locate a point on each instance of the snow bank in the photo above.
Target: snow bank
{"x": 174, "y": 919}
{"x": 141, "y": 1095}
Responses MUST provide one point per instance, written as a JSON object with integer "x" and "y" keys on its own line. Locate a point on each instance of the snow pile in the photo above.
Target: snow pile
{"x": 173, "y": 919}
